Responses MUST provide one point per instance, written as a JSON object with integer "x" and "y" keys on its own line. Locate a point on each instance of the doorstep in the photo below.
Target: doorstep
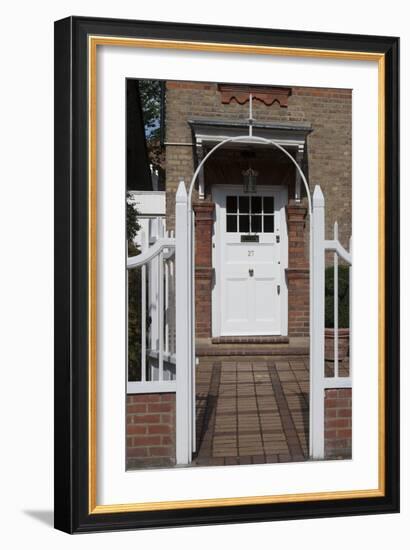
{"x": 257, "y": 347}
{"x": 250, "y": 340}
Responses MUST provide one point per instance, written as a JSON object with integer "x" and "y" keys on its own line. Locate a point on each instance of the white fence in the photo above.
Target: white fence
{"x": 157, "y": 308}
{"x": 165, "y": 318}
{"x": 320, "y": 381}
{"x": 168, "y": 319}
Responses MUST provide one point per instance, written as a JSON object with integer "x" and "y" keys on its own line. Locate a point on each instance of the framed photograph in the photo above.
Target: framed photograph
{"x": 226, "y": 274}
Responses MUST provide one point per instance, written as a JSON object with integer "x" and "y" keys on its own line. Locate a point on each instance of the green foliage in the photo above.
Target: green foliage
{"x": 134, "y": 296}
{"x": 134, "y": 318}
{"x": 343, "y": 292}
{"x": 151, "y": 103}
{"x": 133, "y": 225}
{"x": 150, "y": 95}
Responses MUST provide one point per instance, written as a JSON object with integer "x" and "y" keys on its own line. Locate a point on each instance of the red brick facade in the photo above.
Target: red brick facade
{"x": 328, "y": 111}
{"x": 150, "y": 429}
{"x": 204, "y": 219}
{"x": 327, "y": 162}
{"x": 338, "y": 423}
{"x": 298, "y": 271}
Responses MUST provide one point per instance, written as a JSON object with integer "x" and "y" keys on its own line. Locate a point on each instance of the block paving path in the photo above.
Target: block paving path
{"x": 251, "y": 412}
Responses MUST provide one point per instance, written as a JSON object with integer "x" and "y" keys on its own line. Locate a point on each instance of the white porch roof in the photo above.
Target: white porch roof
{"x": 288, "y": 134}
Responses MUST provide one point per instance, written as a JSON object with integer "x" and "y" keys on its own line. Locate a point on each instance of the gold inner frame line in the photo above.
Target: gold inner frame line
{"x": 93, "y": 42}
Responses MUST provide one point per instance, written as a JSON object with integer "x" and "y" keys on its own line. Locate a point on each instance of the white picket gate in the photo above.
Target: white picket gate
{"x": 167, "y": 299}
{"x": 319, "y": 380}
{"x": 167, "y": 337}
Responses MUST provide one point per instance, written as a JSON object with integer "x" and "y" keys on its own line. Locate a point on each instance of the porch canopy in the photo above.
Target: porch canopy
{"x": 206, "y": 133}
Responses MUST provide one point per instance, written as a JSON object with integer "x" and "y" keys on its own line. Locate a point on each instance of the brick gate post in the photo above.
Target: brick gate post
{"x": 298, "y": 270}
{"x": 204, "y": 219}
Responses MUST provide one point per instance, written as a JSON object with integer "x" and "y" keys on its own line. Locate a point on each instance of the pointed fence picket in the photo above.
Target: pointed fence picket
{"x": 167, "y": 300}
{"x": 320, "y": 381}
{"x": 167, "y": 347}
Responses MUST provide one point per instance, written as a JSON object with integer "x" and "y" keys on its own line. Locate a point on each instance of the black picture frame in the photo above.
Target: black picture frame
{"x": 71, "y": 491}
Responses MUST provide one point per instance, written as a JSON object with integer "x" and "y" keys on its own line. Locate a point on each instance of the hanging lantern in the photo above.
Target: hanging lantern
{"x": 249, "y": 180}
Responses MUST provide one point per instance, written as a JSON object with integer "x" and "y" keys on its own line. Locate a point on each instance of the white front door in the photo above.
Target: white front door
{"x": 249, "y": 260}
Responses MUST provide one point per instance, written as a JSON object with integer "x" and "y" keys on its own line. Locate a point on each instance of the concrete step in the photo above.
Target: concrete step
{"x": 295, "y": 347}
{"x": 250, "y": 340}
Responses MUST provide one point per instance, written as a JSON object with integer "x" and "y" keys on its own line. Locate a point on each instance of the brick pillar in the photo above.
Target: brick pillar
{"x": 151, "y": 430}
{"x": 338, "y": 423}
{"x": 204, "y": 219}
{"x": 298, "y": 271}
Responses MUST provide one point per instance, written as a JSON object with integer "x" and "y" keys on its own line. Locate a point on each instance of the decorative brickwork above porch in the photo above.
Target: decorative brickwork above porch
{"x": 267, "y": 94}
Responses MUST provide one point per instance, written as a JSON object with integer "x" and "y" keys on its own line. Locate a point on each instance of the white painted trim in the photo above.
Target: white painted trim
{"x": 317, "y": 361}
{"x": 149, "y": 203}
{"x": 215, "y": 294}
{"x": 167, "y": 357}
{"x": 284, "y": 261}
{"x": 336, "y": 303}
{"x": 218, "y": 138}
{"x": 147, "y": 192}
{"x": 151, "y": 252}
{"x": 318, "y": 381}
{"x": 160, "y": 317}
{"x": 152, "y": 387}
{"x": 337, "y": 382}
{"x": 183, "y": 333}
{"x": 192, "y": 350}
{"x": 143, "y": 322}
{"x": 335, "y": 246}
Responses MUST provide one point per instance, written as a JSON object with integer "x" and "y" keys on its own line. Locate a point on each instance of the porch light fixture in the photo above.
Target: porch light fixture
{"x": 249, "y": 180}
{"x": 250, "y": 175}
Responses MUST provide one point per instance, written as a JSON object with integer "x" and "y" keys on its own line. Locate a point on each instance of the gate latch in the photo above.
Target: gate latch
{"x": 278, "y": 289}
{"x": 251, "y": 272}
{"x": 278, "y": 238}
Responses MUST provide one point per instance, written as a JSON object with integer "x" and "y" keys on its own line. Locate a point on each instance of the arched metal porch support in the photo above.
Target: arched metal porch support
{"x": 250, "y": 138}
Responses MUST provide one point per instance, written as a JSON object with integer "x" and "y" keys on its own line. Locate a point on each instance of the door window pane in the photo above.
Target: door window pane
{"x": 250, "y": 214}
{"x": 268, "y": 205}
{"x": 256, "y": 207}
{"x": 243, "y": 205}
{"x": 231, "y": 204}
{"x": 256, "y": 224}
{"x": 268, "y": 225}
{"x": 244, "y": 224}
{"x": 231, "y": 224}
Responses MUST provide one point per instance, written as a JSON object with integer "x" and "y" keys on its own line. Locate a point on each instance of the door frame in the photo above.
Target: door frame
{"x": 281, "y": 198}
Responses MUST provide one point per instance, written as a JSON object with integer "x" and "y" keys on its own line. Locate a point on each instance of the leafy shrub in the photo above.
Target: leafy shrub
{"x": 134, "y": 296}
{"x": 343, "y": 292}
{"x": 134, "y": 318}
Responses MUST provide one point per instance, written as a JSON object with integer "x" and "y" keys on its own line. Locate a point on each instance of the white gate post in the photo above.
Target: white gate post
{"x": 182, "y": 255}
{"x": 317, "y": 363}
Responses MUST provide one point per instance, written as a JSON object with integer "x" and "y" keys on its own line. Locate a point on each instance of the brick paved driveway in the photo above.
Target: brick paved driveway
{"x": 252, "y": 412}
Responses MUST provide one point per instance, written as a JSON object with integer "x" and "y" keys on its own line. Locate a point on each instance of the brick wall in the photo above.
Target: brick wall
{"x": 338, "y": 423}
{"x": 298, "y": 271}
{"x": 150, "y": 430}
{"x": 328, "y": 110}
{"x": 329, "y": 164}
{"x": 204, "y": 219}
{"x": 298, "y": 303}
